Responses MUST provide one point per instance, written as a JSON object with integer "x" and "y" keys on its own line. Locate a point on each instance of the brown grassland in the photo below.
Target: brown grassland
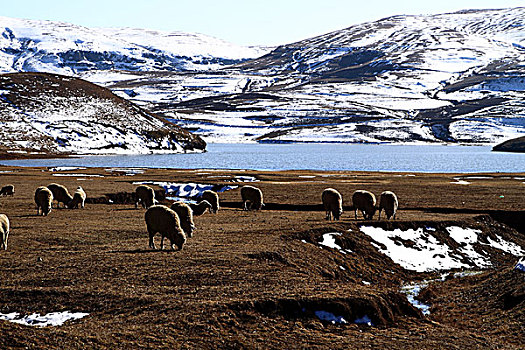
{"x": 254, "y": 279}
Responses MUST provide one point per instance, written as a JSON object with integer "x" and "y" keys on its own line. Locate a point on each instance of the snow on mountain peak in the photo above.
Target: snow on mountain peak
{"x": 47, "y": 46}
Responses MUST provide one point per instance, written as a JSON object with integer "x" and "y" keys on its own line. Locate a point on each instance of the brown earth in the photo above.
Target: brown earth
{"x": 254, "y": 279}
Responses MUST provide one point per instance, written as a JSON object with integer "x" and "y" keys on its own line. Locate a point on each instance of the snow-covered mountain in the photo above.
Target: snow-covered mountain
{"x": 457, "y": 77}
{"x": 47, "y": 46}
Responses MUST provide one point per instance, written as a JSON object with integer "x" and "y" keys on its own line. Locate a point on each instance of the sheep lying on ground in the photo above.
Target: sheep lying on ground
{"x": 7, "y": 190}
{"x": 213, "y": 198}
{"x": 333, "y": 203}
{"x": 200, "y": 208}
{"x": 185, "y": 214}
{"x": 165, "y": 221}
{"x": 253, "y": 195}
{"x": 4, "y": 231}
{"x": 79, "y": 197}
{"x": 43, "y": 199}
{"x": 388, "y": 202}
{"x": 145, "y": 195}
{"x": 364, "y": 201}
{"x": 60, "y": 194}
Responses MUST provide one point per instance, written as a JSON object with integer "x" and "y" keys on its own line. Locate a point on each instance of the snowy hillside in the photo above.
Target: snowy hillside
{"x": 457, "y": 77}
{"x": 56, "y": 47}
{"x": 51, "y": 114}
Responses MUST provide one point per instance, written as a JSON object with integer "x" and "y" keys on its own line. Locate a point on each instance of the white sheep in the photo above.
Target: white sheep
{"x": 200, "y": 208}
{"x": 79, "y": 197}
{"x": 185, "y": 214}
{"x": 213, "y": 198}
{"x": 388, "y": 202}
{"x": 366, "y": 202}
{"x": 4, "y": 230}
{"x": 145, "y": 195}
{"x": 165, "y": 221}
{"x": 43, "y": 199}
{"x": 333, "y": 203}
{"x": 7, "y": 190}
{"x": 253, "y": 195}
{"x": 60, "y": 194}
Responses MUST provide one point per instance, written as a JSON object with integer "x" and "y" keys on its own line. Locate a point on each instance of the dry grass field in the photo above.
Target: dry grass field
{"x": 255, "y": 279}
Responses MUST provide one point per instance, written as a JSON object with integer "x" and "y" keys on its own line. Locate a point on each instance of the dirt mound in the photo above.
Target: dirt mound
{"x": 381, "y": 309}
{"x": 499, "y": 296}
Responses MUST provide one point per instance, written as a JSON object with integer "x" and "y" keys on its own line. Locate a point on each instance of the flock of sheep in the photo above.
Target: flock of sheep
{"x": 176, "y": 222}
{"x": 363, "y": 201}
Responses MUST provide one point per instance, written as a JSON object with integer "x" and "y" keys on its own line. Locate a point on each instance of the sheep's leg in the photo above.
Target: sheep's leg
{"x": 355, "y": 212}
{"x": 161, "y": 242}
{"x": 379, "y": 218}
{"x": 151, "y": 242}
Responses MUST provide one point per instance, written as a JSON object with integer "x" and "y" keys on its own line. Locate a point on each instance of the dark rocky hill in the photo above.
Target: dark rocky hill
{"x": 514, "y": 145}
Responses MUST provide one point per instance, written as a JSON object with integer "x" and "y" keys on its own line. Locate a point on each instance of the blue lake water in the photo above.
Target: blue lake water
{"x": 412, "y": 158}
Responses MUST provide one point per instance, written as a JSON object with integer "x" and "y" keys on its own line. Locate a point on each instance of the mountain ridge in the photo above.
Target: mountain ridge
{"x": 446, "y": 78}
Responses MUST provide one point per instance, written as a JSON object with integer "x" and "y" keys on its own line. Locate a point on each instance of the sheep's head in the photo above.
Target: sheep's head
{"x": 178, "y": 238}
{"x": 371, "y": 212}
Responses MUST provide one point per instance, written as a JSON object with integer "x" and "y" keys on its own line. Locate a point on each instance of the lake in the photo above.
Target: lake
{"x": 319, "y": 156}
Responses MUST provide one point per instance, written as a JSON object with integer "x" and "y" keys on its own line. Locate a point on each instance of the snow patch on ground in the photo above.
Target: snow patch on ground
{"x": 364, "y": 320}
{"x": 186, "y": 190}
{"x": 520, "y": 265}
{"x": 412, "y": 291}
{"x": 66, "y": 168}
{"x": 50, "y": 319}
{"x": 421, "y": 251}
{"x": 329, "y": 241}
{"x": 424, "y": 253}
{"x": 330, "y": 317}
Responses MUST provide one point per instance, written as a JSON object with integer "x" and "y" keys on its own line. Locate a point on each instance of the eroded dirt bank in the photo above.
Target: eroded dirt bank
{"x": 259, "y": 279}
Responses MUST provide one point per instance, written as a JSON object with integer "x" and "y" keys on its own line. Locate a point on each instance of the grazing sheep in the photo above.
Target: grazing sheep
{"x": 185, "y": 217}
{"x": 333, "y": 203}
{"x": 388, "y": 202}
{"x": 79, "y": 197}
{"x": 253, "y": 195}
{"x": 165, "y": 221}
{"x": 60, "y": 194}
{"x": 366, "y": 202}
{"x": 145, "y": 195}
{"x": 213, "y": 198}
{"x": 43, "y": 199}
{"x": 7, "y": 190}
{"x": 4, "y": 230}
{"x": 200, "y": 208}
